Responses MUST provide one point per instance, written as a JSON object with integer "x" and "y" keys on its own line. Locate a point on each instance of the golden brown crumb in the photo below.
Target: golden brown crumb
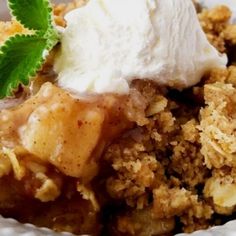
{"x": 215, "y": 22}
{"x": 218, "y": 125}
{"x": 217, "y": 75}
{"x": 10, "y": 28}
{"x": 219, "y": 14}
{"x": 60, "y": 10}
{"x": 158, "y": 159}
{"x": 136, "y": 173}
{"x": 231, "y": 78}
{"x": 197, "y": 217}
{"x": 188, "y": 152}
{"x": 169, "y": 202}
{"x": 223, "y": 75}
{"x": 192, "y": 174}
{"x": 230, "y": 34}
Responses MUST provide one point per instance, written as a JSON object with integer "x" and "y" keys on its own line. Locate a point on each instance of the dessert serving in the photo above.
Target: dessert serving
{"x": 118, "y": 117}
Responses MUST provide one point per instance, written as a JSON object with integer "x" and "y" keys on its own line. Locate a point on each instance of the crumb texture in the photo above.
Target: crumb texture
{"x": 154, "y": 162}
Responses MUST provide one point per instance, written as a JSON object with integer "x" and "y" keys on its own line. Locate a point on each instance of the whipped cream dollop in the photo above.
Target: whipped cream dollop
{"x": 108, "y": 43}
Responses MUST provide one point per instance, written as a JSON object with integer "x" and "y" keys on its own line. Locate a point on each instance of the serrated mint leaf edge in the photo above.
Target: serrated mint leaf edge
{"x": 13, "y": 11}
{"x": 51, "y": 39}
{"x": 50, "y": 35}
{"x": 31, "y": 73}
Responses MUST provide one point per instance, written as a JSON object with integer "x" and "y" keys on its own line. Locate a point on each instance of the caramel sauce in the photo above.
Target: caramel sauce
{"x": 67, "y": 132}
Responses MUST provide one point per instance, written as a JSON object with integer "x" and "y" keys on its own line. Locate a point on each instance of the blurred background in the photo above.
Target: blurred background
{"x": 4, "y": 13}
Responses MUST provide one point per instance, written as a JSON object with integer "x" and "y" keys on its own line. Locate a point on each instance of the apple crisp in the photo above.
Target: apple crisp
{"x": 155, "y": 162}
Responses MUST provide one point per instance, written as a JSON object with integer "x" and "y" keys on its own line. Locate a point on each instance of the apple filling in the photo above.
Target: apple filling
{"x": 154, "y": 162}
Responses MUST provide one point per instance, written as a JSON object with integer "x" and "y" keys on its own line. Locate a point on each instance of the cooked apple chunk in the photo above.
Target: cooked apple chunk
{"x": 64, "y": 131}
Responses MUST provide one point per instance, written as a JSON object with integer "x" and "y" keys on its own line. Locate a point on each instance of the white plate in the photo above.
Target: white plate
{"x": 10, "y": 227}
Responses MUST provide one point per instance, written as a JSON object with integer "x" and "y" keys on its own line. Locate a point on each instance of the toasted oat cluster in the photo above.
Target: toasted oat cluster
{"x": 181, "y": 162}
{"x": 155, "y": 162}
{"x": 215, "y": 23}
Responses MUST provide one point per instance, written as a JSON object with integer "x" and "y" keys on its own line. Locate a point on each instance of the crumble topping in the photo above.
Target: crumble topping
{"x": 176, "y": 161}
{"x": 215, "y": 23}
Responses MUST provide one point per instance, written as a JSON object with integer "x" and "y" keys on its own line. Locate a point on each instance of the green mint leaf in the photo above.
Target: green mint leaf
{"x": 23, "y": 55}
{"x": 20, "y": 58}
{"x": 33, "y": 14}
{"x": 52, "y": 37}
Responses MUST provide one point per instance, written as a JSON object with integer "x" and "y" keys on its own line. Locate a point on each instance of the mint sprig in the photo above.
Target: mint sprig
{"x": 33, "y": 14}
{"x": 23, "y": 55}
